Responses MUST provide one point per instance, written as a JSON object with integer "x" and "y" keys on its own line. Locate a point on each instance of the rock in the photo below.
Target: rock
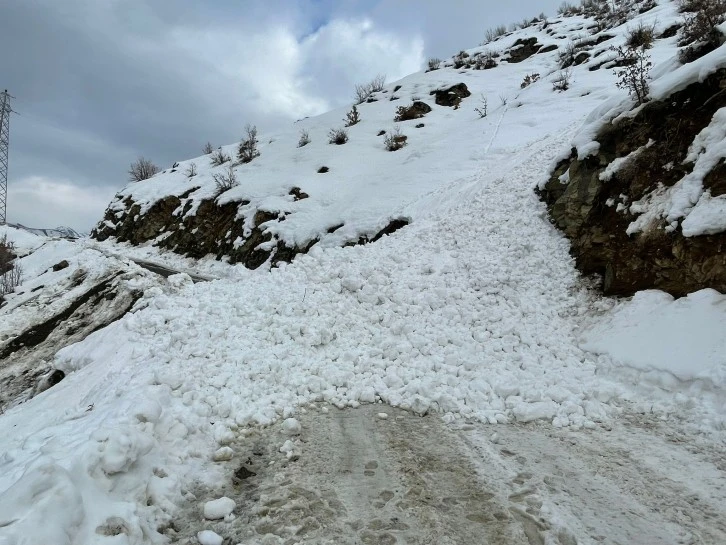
{"x": 586, "y": 210}
{"x": 223, "y": 454}
{"x": 523, "y": 49}
{"x": 218, "y": 509}
{"x": 415, "y": 111}
{"x": 60, "y": 266}
{"x": 291, "y": 426}
{"x": 323, "y": 170}
{"x": 451, "y": 96}
{"x": 298, "y": 194}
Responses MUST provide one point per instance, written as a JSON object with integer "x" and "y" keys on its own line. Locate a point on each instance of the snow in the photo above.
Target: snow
{"x": 218, "y": 509}
{"x": 474, "y": 312}
{"x": 654, "y": 331}
{"x": 23, "y": 241}
{"x": 207, "y": 537}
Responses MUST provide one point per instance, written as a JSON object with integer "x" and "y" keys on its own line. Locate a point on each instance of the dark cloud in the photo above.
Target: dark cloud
{"x": 100, "y": 83}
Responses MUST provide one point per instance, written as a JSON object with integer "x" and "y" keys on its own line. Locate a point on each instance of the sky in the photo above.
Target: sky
{"x": 99, "y": 83}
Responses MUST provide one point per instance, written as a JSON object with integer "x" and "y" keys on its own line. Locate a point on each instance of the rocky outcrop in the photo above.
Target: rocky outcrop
{"x": 594, "y": 213}
{"x": 213, "y": 229}
{"x": 451, "y": 96}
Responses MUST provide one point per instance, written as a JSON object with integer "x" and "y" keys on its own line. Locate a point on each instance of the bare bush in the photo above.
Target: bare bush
{"x": 494, "y": 33}
{"x": 207, "y": 149}
{"x": 482, "y": 110}
{"x": 352, "y": 117}
{"x": 142, "y": 169}
{"x": 395, "y": 140}
{"x": 700, "y": 18}
{"x": 304, "y": 138}
{"x": 434, "y": 64}
{"x": 640, "y": 36}
{"x": 363, "y": 91}
{"x": 225, "y": 180}
{"x": 247, "y": 150}
{"x": 337, "y": 136}
{"x": 635, "y": 75}
{"x": 191, "y": 170}
{"x": 219, "y": 158}
{"x": 562, "y": 80}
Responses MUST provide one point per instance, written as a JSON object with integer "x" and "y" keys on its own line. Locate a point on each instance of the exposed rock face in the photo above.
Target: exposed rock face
{"x": 585, "y": 207}
{"x": 452, "y": 95}
{"x": 214, "y": 229}
{"x": 415, "y": 111}
{"x": 523, "y": 49}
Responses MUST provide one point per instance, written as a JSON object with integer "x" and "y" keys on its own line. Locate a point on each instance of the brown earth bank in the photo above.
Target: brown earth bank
{"x": 214, "y": 229}
{"x": 583, "y": 205}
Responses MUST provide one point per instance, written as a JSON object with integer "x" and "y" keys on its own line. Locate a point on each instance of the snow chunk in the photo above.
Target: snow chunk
{"x": 540, "y": 410}
{"x": 291, "y": 426}
{"x": 218, "y": 509}
{"x": 207, "y": 537}
{"x": 223, "y": 454}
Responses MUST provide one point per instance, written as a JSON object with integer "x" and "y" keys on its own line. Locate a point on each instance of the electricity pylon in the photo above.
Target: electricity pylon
{"x": 5, "y": 111}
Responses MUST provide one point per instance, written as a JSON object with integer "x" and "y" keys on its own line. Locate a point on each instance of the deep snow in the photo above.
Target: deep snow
{"x": 474, "y": 311}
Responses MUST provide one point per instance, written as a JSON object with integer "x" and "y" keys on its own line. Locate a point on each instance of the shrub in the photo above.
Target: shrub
{"x": 226, "y": 180}
{"x": 434, "y": 64}
{"x": 395, "y": 140}
{"x": 207, "y": 149}
{"x": 352, "y": 117}
{"x": 219, "y": 158}
{"x": 700, "y": 19}
{"x": 640, "y": 36}
{"x": 494, "y": 33}
{"x": 142, "y": 169}
{"x": 304, "y": 138}
{"x": 363, "y": 91}
{"x": 529, "y": 79}
{"x": 635, "y": 75}
{"x": 337, "y": 136}
{"x": 248, "y": 147}
{"x": 482, "y": 110}
{"x": 562, "y": 80}
{"x": 191, "y": 170}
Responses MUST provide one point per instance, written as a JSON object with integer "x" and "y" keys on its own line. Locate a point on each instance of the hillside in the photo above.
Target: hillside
{"x": 400, "y": 347}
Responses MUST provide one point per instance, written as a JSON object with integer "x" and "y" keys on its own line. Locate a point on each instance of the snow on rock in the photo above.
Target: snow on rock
{"x": 218, "y": 509}
{"x": 208, "y": 537}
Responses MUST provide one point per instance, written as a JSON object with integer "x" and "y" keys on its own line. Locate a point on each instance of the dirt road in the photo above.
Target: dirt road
{"x": 359, "y": 477}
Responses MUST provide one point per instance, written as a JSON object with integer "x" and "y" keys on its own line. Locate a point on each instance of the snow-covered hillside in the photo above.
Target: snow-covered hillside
{"x": 471, "y": 312}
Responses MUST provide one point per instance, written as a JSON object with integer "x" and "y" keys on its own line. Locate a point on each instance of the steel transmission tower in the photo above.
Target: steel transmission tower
{"x": 4, "y": 143}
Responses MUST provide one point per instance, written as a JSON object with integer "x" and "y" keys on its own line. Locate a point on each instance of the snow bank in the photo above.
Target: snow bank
{"x": 653, "y": 331}
{"x": 24, "y": 241}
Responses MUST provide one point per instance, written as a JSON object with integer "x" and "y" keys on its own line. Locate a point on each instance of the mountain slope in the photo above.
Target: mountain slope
{"x": 472, "y": 314}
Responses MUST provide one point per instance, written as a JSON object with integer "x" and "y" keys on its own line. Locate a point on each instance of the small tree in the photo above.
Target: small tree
{"x": 337, "y": 136}
{"x": 142, "y": 169}
{"x": 635, "y": 75}
{"x": 304, "y": 139}
{"x": 226, "y": 180}
{"x": 219, "y": 158}
{"x": 248, "y": 147}
{"x": 191, "y": 170}
{"x": 207, "y": 149}
{"x": 352, "y": 117}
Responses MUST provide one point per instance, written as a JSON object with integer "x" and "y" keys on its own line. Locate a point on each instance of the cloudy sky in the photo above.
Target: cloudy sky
{"x": 100, "y": 82}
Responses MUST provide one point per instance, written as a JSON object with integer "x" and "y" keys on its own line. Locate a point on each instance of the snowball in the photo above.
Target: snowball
{"x": 218, "y": 509}
{"x": 291, "y": 426}
{"x": 223, "y": 455}
{"x": 207, "y": 537}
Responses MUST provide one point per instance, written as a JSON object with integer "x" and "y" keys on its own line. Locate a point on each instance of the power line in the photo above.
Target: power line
{"x": 5, "y": 111}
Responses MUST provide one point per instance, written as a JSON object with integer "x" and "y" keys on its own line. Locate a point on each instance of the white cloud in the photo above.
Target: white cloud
{"x": 42, "y": 202}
